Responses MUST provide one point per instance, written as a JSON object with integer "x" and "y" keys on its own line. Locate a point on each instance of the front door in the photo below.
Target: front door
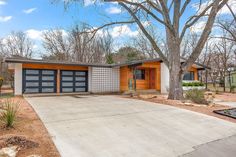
{"x": 152, "y": 79}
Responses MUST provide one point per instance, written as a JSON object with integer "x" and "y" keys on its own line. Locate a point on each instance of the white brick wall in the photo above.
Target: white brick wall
{"x": 104, "y": 79}
{"x": 18, "y": 79}
{"x": 164, "y": 78}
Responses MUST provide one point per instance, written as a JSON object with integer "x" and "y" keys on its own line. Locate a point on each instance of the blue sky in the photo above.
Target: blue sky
{"x": 34, "y": 16}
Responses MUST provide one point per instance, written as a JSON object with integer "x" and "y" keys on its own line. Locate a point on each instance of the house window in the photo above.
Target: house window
{"x": 140, "y": 74}
{"x": 189, "y": 76}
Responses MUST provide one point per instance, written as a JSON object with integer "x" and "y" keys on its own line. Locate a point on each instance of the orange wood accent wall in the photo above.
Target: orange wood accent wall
{"x": 195, "y": 71}
{"x": 124, "y": 78}
{"x": 53, "y": 66}
{"x": 126, "y": 74}
{"x": 58, "y": 81}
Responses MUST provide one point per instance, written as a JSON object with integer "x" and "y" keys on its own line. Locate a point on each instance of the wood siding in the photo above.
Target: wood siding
{"x": 53, "y": 66}
{"x": 195, "y": 71}
{"x": 126, "y": 74}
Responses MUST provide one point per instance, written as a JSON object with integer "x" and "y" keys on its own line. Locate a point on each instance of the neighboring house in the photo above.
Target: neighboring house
{"x": 230, "y": 78}
{"x": 42, "y": 76}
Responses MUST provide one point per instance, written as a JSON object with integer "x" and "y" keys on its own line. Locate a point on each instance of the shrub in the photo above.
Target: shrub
{"x": 192, "y": 84}
{"x": 197, "y": 96}
{"x": 9, "y": 113}
{"x": 232, "y": 88}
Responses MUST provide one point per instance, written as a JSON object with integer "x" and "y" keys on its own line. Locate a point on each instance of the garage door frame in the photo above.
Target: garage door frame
{"x": 40, "y": 80}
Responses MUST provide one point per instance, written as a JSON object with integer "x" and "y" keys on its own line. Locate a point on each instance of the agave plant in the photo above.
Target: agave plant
{"x": 8, "y": 115}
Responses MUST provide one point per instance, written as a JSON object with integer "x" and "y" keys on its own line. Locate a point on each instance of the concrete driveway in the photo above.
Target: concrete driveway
{"x": 110, "y": 126}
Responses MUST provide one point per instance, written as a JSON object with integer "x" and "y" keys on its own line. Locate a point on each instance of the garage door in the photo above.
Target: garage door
{"x": 74, "y": 81}
{"x": 39, "y": 81}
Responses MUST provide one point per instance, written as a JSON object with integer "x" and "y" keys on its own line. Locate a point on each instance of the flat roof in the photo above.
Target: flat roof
{"x": 136, "y": 62}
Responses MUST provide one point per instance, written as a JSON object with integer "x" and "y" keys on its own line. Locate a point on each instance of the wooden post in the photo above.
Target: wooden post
{"x": 58, "y": 81}
{"x": 134, "y": 71}
{"x": 206, "y": 77}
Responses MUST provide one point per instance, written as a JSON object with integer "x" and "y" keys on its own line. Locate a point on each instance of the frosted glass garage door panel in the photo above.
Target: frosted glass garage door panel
{"x": 80, "y": 78}
{"x": 32, "y": 78}
{"x": 80, "y": 84}
{"x": 67, "y": 89}
{"x": 31, "y": 90}
{"x": 48, "y": 78}
{"x": 80, "y": 89}
{"x": 64, "y": 78}
{"x": 82, "y": 73}
{"x": 47, "y": 90}
{"x": 67, "y": 72}
{"x": 47, "y": 72}
{"x": 31, "y": 84}
{"x": 66, "y": 84}
{"x": 48, "y": 84}
{"x": 34, "y": 72}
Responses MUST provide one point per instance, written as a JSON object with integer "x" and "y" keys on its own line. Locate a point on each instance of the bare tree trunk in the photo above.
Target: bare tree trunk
{"x": 176, "y": 73}
{"x": 175, "y": 84}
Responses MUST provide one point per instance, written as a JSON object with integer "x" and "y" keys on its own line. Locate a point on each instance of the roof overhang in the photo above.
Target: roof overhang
{"x": 130, "y": 64}
{"x": 35, "y": 61}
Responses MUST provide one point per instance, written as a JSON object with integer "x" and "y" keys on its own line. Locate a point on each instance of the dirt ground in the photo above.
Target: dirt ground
{"x": 195, "y": 107}
{"x": 226, "y": 96}
{"x": 30, "y": 126}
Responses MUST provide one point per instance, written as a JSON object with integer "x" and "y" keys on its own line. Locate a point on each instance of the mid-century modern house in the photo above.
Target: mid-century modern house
{"x": 43, "y": 76}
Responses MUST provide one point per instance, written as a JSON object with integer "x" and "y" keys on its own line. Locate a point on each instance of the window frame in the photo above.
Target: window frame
{"x": 191, "y": 75}
{"x": 141, "y": 75}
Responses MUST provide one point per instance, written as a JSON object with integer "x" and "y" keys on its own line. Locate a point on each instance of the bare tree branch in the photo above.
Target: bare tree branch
{"x": 152, "y": 41}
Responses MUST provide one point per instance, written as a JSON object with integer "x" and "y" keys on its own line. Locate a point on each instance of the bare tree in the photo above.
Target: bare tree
{"x": 168, "y": 13}
{"x": 74, "y": 45}
{"x": 141, "y": 43}
{"x": 56, "y": 44}
{"x": 225, "y": 51}
{"x": 17, "y": 43}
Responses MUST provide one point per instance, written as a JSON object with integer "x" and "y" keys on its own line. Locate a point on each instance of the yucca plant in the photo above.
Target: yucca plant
{"x": 8, "y": 115}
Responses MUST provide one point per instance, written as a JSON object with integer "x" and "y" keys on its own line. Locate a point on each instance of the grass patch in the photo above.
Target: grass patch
{"x": 8, "y": 115}
{"x": 6, "y": 95}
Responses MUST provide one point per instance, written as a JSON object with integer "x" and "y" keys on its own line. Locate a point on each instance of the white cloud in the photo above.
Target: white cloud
{"x": 35, "y": 34}
{"x": 121, "y": 31}
{"x": 224, "y": 10}
{"x": 198, "y": 27}
{"x": 113, "y": 10}
{"x": 2, "y": 2}
{"x": 146, "y": 23}
{"x": 88, "y": 2}
{"x": 5, "y": 18}
{"x": 38, "y": 34}
{"x": 29, "y": 11}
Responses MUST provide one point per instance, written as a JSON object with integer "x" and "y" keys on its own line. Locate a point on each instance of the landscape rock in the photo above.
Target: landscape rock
{"x": 34, "y": 155}
{"x": 147, "y": 96}
{"x": 9, "y": 151}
